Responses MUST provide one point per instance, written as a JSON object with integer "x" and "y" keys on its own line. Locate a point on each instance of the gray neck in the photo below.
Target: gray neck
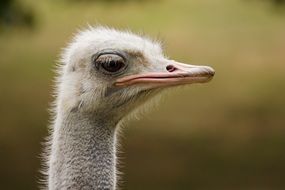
{"x": 83, "y": 154}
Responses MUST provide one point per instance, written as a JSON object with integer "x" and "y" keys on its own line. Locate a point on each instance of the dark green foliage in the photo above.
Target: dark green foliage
{"x": 108, "y": 1}
{"x": 278, "y": 2}
{"x": 13, "y": 13}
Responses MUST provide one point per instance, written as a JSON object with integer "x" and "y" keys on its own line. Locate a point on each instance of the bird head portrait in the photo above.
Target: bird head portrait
{"x": 113, "y": 72}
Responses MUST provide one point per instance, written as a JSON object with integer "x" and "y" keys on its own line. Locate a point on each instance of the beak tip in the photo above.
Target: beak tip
{"x": 211, "y": 71}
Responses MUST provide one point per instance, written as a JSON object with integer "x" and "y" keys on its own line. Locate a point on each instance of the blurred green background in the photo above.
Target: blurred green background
{"x": 228, "y": 134}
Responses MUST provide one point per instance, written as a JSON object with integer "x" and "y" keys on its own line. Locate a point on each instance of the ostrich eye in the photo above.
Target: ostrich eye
{"x": 110, "y": 63}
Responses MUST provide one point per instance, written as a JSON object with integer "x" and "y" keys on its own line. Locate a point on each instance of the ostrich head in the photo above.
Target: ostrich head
{"x": 111, "y": 72}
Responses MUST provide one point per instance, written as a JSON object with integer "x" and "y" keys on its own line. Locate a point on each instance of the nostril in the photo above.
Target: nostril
{"x": 170, "y": 68}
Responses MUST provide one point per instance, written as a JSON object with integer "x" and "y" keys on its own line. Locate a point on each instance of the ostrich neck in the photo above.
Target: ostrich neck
{"x": 82, "y": 153}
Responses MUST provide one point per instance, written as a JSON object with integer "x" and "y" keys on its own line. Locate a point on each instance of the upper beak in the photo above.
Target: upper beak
{"x": 175, "y": 74}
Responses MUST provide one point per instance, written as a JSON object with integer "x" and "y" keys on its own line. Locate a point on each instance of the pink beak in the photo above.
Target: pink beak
{"x": 175, "y": 74}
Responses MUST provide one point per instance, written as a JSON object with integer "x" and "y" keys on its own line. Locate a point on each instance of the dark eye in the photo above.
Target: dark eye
{"x": 110, "y": 63}
{"x": 113, "y": 65}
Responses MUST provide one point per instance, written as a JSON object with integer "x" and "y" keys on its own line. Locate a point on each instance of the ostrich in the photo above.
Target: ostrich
{"x": 104, "y": 76}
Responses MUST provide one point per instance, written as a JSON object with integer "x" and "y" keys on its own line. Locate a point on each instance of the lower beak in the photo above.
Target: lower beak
{"x": 175, "y": 74}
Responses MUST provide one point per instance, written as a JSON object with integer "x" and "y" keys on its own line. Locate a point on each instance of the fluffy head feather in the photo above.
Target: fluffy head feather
{"x": 81, "y": 88}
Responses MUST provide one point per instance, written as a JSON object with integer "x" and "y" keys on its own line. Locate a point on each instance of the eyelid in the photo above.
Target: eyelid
{"x": 111, "y": 52}
{"x": 109, "y": 57}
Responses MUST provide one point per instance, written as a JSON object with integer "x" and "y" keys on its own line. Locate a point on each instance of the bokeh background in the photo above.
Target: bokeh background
{"x": 228, "y": 134}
